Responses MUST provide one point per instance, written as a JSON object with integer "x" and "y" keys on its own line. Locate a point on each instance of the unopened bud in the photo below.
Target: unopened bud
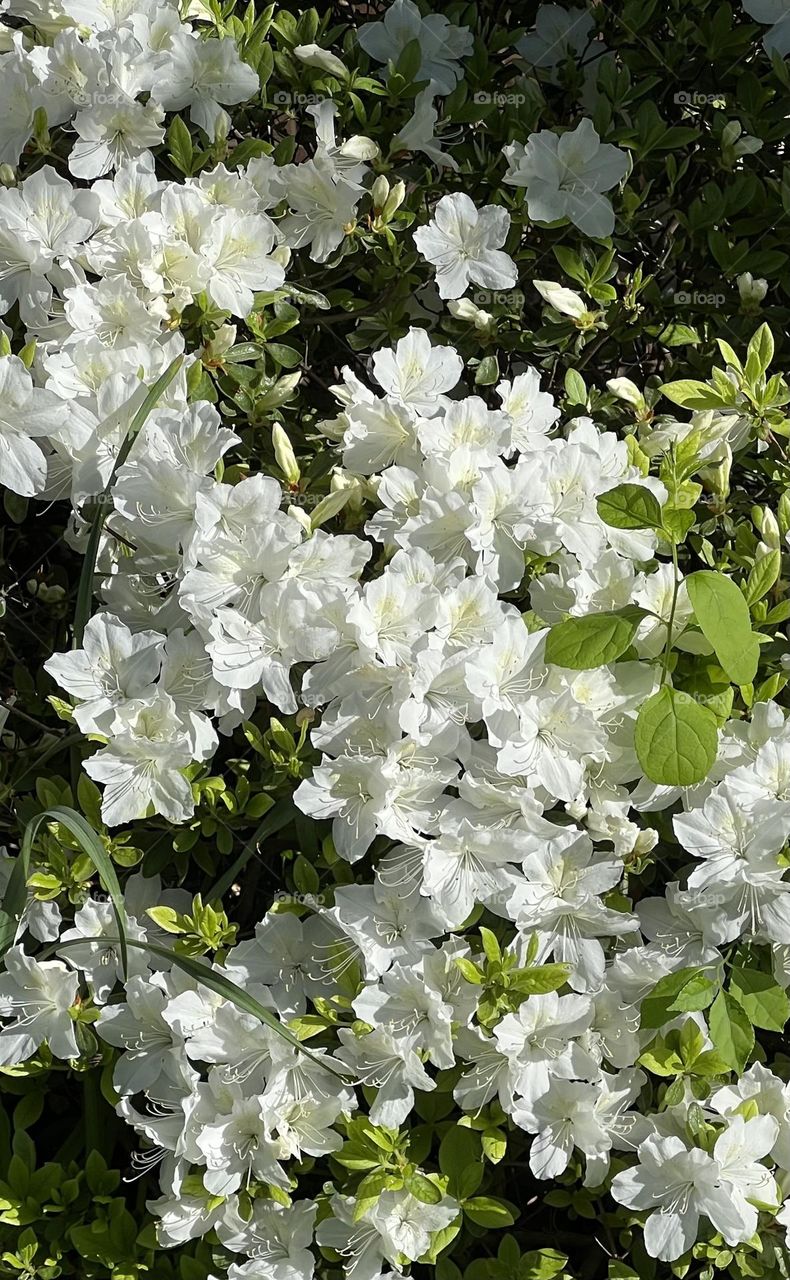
{"x": 769, "y": 529}
{"x": 329, "y": 507}
{"x": 284, "y": 455}
{"x": 628, "y": 391}
{"x": 783, "y": 513}
{"x": 751, "y": 291}
{"x": 300, "y": 515}
{"x": 379, "y": 193}
{"x": 394, "y": 200}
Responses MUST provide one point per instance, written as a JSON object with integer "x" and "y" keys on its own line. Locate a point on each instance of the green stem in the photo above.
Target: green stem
{"x": 671, "y": 623}
{"x": 95, "y": 1120}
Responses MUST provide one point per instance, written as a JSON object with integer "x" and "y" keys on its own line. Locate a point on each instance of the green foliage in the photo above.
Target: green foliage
{"x": 675, "y": 738}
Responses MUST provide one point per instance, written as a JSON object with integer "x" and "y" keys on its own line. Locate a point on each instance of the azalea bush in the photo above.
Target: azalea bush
{"x": 395, "y": 747}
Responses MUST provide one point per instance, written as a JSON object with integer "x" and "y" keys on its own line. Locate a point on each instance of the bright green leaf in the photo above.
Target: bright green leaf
{"x": 593, "y": 641}
{"x": 723, "y": 616}
{"x": 676, "y": 739}
{"x": 731, "y": 1031}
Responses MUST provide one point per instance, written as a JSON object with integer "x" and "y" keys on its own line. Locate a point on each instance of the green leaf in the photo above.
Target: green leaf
{"x": 765, "y": 1003}
{"x": 678, "y": 335}
{"x": 541, "y": 978}
{"x": 630, "y": 506}
{"x": 575, "y": 387}
{"x": 489, "y": 1212}
{"x": 179, "y": 141}
{"x": 692, "y": 395}
{"x": 763, "y": 576}
{"x": 723, "y": 616}
{"x": 675, "y": 738}
{"x": 166, "y": 918}
{"x": 494, "y": 1145}
{"x": 541, "y": 1264}
{"x": 686, "y": 991}
{"x": 410, "y": 61}
{"x": 759, "y": 353}
{"x": 593, "y": 641}
{"x": 729, "y": 354}
{"x": 422, "y": 1188}
{"x": 731, "y": 1031}
{"x": 15, "y": 896}
{"x": 491, "y": 947}
{"x": 487, "y": 371}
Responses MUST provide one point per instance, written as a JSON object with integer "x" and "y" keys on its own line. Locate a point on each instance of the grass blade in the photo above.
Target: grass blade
{"x": 15, "y": 897}
{"x": 229, "y": 990}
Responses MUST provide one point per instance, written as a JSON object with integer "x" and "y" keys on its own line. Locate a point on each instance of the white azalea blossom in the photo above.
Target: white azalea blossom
{"x": 566, "y": 175}
{"x": 465, "y": 246}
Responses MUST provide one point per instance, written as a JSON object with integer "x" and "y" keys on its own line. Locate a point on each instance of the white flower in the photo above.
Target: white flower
{"x": 775, "y": 13}
{"x": 566, "y": 175}
{"x": 37, "y": 998}
{"x": 43, "y": 222}
{"x": 314, "y": 56}
{"x": 200, "y": 75}
{"x": 442, "y": 45}
{"x": 142, "y": 765}
{"x": 417, "y": 373}
{"x": 25, "y": 413}
{"x": 113, "y": 666}
{"x": 540, "y": 1042}
{"x": 113, "y": 132}
{"x": 241, "y": 262}
{"x": 406, "y": 1224}
{"x": 464, "y": 244}
{"x": 323, "y": 207}
{"x": 679, "y": 1185}
{"x": 137, "y": 1026}
{"x": 418, "y": 133}
{"x": 559, "y": 34}
{"x": 572, "y": 1114}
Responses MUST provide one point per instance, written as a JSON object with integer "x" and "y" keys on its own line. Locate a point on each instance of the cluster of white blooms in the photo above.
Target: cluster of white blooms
{"x": 492, "y": 777}
{"x": 101, "y": 60}
{"x": 499, "y": 779}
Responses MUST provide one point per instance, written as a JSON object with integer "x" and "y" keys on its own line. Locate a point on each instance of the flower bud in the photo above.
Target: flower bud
{"x": 284, "y": 455}
{"x": 379, "y": 193}
{"x": 566, "y": 301}
{"x": 628, "y": 391}
{"x": 465, "y": 309}
{"x": 329, "y": 507}
{"x": 314, "y": 56}
{"x": 394, "y": 200}
{"x": 751, "y": 291}
{"x": 769, "y": 529}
